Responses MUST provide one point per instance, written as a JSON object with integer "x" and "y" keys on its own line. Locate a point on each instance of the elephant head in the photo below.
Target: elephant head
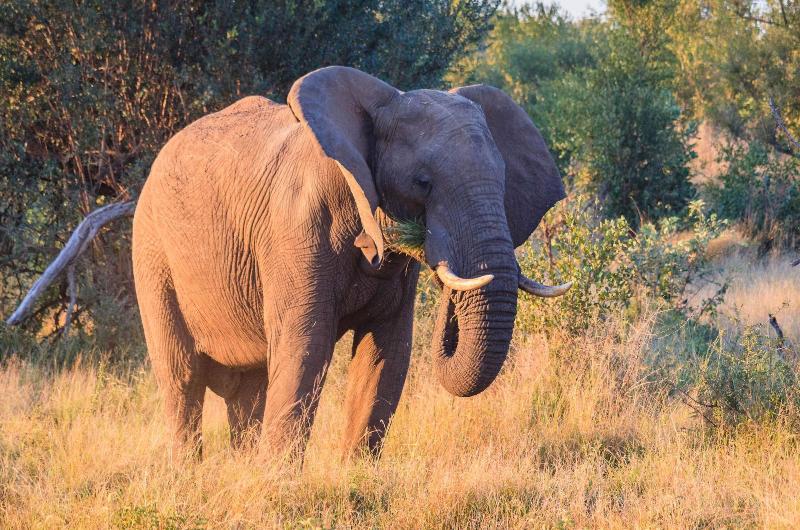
{"x": 471, "y": 164}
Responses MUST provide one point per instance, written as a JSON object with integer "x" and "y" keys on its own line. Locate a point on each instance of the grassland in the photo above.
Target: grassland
{"x": 574, "y": 434}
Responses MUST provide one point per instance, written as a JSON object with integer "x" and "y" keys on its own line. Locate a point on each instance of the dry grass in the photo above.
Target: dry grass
{"x": 572, "y": 435}
{"x": 763, "y": 288}
{"x": 757, "y": 287}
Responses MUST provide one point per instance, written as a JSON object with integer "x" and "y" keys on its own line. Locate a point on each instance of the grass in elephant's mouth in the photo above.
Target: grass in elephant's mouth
{"x": 406, "y": 237}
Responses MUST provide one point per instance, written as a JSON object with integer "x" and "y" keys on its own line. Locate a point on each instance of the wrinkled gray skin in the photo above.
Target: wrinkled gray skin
{"x": 256, "y": 247}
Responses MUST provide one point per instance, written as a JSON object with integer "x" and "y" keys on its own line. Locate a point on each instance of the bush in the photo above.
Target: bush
{"x": 727, "y": 378}
{"x": 613, "y": 267}
{"x": 760, "y": 191}
{"x": 630, "y": 147}
{"x": 748, "y": 377}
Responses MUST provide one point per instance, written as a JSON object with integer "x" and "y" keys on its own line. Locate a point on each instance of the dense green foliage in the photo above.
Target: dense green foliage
{"x": 733, "y": 56}
{"x": 762, "y": 192}
{"x": 603, "y": 103}
{"x": 89, "y": 91}
{"x": 616, "y": 266}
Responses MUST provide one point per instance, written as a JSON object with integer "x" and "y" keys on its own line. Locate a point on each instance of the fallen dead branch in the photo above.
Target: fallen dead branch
{"x": 76, "y": 245}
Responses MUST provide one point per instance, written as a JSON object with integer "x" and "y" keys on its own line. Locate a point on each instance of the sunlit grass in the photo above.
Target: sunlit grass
{"x": 573, "y": 434}
{"x": 757, "y": 287}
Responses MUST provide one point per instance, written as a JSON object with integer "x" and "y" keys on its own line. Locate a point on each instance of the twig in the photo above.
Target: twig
{"x": 781, "y": 125}
{"x": 778, "y": 331}
{"x": 697, "y": 410}
{"x": 745, "y": 16}
{"x": 785, "y": 347}
{"x": 77, "y": 243}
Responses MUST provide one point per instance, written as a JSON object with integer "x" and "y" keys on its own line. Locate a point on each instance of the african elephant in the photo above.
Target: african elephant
{"x": 256, "y": 246}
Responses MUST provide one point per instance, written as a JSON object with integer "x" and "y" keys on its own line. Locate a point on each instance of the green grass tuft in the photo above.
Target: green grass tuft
{"x": 406, "y": 237}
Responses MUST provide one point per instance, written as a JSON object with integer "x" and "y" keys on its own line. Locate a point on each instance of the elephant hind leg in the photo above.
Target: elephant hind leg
{"x": 246, "y": 408}
{"x": 178, "y": 366}
{"x": 244, "y": 394}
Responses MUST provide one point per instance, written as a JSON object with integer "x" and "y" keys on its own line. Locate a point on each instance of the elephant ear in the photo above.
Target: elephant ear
{"x": 533, "y": 183}
{"x": 338, "y": 104}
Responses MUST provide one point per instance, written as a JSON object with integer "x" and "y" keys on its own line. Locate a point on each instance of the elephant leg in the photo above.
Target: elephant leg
{"x": 246, "y": 408}
{"x": 297, "y": 370}
{"x": 178, "y": 367}
{"x": 183, "y": 402}
{"x": 377, "y": 373}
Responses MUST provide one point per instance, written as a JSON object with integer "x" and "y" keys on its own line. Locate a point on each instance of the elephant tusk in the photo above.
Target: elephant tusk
{"x": 539, "y": 289}
{"x": 457, "y": 283}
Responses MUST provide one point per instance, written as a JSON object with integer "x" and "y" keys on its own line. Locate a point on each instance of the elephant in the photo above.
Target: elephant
{"x": 257, "y": 244}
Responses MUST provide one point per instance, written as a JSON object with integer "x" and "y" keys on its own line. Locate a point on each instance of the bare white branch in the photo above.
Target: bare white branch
{"x": 77, "y": 244}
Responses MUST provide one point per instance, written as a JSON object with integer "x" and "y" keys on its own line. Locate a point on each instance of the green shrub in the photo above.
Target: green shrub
{"x": 613, "y": 267}
{"x": 630, "y": 147}
{"x": 760, "y": 191}
{"x": 749, "y": 377}
{"x": 728, "y": 379}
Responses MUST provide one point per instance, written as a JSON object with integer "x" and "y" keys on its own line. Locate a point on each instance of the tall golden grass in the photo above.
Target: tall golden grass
{"x": 572, "y": 435}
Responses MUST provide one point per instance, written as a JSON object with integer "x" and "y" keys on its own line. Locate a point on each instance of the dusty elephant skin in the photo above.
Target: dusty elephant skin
{"x": 256, "y": 247}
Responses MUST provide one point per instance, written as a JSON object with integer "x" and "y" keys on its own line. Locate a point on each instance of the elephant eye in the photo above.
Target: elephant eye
{"x": 423, "y": 182}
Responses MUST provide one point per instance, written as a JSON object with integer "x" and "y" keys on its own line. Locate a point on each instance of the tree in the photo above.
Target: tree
{"x": 734, "y": 56}
{"x": 600, "y": 92}
{"x": 90, "y": 90}
{"x": 632, "y": 148}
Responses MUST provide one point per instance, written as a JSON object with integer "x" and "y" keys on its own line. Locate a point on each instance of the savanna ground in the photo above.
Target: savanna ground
{"x": 576, "y": 432}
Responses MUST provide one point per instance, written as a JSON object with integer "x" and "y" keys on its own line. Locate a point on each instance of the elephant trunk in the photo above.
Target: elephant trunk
{"x": 473, "y": 329}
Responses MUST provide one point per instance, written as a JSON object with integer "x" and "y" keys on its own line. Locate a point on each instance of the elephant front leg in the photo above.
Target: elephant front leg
{"x": 376, "y": 376}
{"x": 297, "y": 372}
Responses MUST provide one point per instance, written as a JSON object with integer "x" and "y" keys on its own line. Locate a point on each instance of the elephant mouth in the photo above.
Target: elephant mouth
{"x": 407, "y": 237}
